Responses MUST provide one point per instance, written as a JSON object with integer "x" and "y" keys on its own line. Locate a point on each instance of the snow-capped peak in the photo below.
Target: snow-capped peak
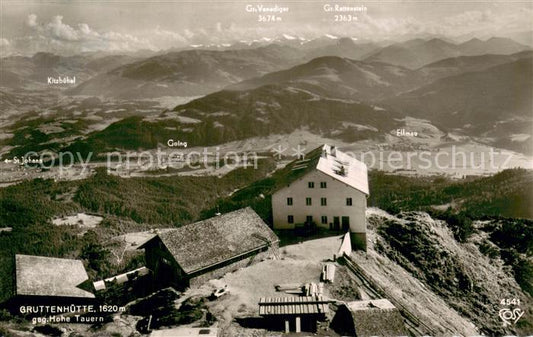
{"x": 288, "y": 37}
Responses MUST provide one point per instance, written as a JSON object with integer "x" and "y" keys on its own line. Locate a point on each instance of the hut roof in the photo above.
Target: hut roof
{"x": 376, "y": 318}
{"x": 209, "y": 242}
{"x": 292, "y": 305}
{"x": 47, "y": 276}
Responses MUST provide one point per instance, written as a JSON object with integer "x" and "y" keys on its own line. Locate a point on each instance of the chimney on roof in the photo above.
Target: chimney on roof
{"x": 333, "y": 151}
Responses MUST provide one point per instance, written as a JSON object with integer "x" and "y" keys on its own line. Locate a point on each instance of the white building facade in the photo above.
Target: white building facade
{"x": 331, "y": 194}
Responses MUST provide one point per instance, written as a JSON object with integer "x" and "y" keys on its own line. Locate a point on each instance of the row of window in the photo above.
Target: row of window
{"x": 323, "y": 220}
{"x": 323, "y": 201}
{"x": 311, "y": 184}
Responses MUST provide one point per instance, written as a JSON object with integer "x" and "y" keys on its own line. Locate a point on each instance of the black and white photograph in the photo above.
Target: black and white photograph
{"x": 235, "y": 168}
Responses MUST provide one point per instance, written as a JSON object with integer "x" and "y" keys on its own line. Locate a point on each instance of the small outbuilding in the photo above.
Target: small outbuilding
{"x": 50, "y": 281}
{"x": 50, "y": 277}
{"x": 293, "y": 313}
{"x": 208, "y": 249}
{"x": 369, "y": 318}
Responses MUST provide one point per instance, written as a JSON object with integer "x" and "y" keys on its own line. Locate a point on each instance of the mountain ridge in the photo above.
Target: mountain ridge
{"x": 416, "y": 53}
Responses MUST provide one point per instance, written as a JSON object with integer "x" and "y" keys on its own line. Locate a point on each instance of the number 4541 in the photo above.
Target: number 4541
{"x": 510, "y": 301}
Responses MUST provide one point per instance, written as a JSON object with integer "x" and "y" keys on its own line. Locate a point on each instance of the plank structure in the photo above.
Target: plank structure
{"x": 305, "y": 305}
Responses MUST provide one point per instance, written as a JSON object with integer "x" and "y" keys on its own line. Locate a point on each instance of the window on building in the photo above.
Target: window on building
{"x": 323, "y": 201}
{"x": 323, "y": 184}
{"x": 289, "y": 201}
{"x": 311, "y": 184}
{"x": 349, "y": 202}
{"x": 324, "y": 219}
{"x": 309, "y": 219}
{"x": 290, "y": 219}
{"x": 308, "y": 201}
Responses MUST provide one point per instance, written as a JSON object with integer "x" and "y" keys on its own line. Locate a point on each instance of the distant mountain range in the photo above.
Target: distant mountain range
{"x": 338, "y": 77}
{"x": 277, "y": 89}
{"x": 416, "y": 53}
{"x": 494, "y": 103}
{"x": 342, "y": 47}
{"x": 350, "y": 100}
{"x": 481, "y": 96}
{"x": 19, "y": 72}
{"x": 188, "y": 73}
{"x": 233, "y": 115}
{"x": 474, "y": 98}
{"x": 203, "y": 71}
{"x": 463, "y": 64}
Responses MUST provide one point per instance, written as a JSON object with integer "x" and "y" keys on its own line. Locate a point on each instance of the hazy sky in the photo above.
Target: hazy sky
{"x": 74, "y": 26}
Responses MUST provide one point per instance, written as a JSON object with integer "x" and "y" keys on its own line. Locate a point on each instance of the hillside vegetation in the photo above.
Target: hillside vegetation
{"x": 136, "y": 203}
{"x": 462, "y": 274}
{"x": 128, "y": 205}
{"x": 504, "y": 194}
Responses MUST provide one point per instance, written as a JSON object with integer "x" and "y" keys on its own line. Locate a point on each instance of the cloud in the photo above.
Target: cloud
{"x": 490, "y": 22}
{"x": 482, "y": 23}
{"x": 5, "y": 47}
{"x": 61, "y": 31}
{"x": 162, "y": 37}
{"x": 31, "y": 21}
{"x": 57, "y": 35}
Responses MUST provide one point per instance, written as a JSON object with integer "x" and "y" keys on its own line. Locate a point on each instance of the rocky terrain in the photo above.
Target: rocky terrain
{"x": 467, "y": 280}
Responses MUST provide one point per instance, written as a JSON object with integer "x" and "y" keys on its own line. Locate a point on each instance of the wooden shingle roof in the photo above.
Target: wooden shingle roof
{"x": 47, "y": 276}
{"x": 209, "y": 242}
{"x": 305, "y": 305}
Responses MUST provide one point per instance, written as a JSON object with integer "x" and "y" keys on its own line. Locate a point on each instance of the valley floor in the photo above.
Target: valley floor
{"x": 431, "y": 155}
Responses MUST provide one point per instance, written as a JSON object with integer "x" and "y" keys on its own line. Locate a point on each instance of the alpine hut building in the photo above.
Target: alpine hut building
{"x": 327, "y": 188}
{"x": 193, "y": 254}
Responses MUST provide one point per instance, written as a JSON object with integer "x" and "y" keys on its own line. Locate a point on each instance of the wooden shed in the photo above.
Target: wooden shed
{"x": 293, "y": 313}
